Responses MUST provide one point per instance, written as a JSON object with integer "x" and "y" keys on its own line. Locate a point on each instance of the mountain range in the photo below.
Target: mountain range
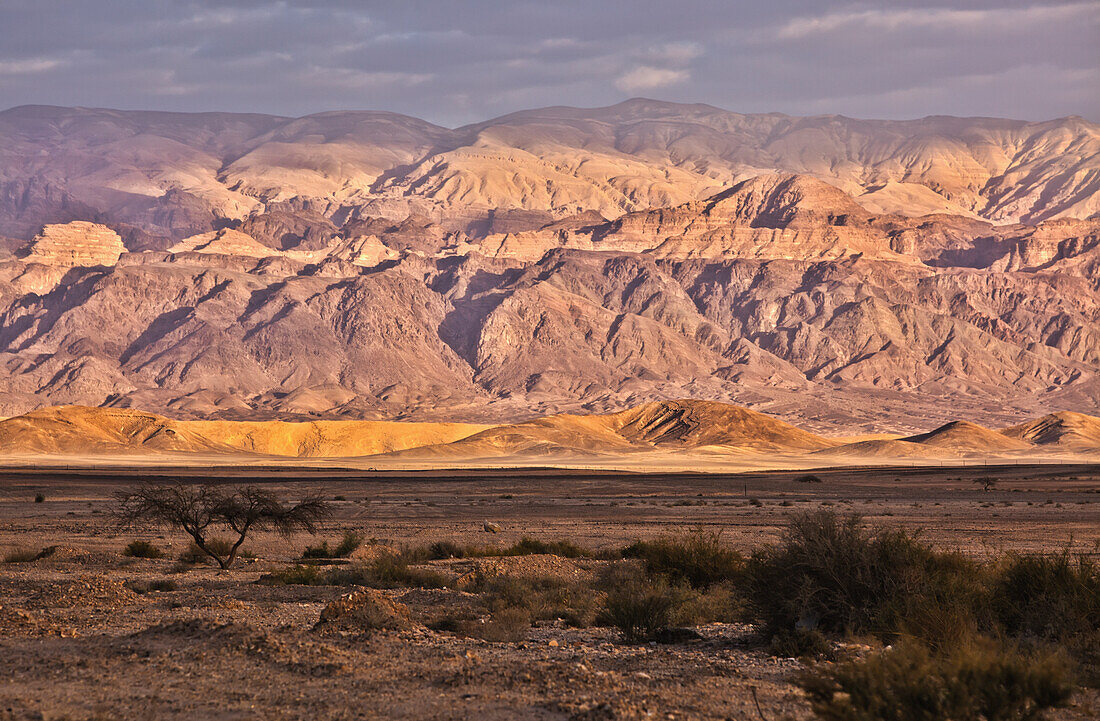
{"x": 839, "y": 274}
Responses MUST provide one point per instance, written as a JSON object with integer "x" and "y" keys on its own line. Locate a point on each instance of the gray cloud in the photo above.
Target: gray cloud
{"x": 458, "y": 62}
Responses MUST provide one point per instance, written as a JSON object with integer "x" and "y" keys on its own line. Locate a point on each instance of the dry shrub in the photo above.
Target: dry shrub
{"x": 837, "y": 576}
{"x": 142, "y": 549}
{"x": 540, "y": 598}
{"x": 349, "y": 543}
{"x": 640, "y": 608}
{"x": 699, "y": 558}
{"x": 977, "y": 681}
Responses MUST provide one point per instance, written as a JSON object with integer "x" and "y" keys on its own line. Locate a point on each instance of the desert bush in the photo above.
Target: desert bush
{"x": 541, "y": 598}
{"x": 142, "y": 549}
{"x": 808, "y": 478}
{"x": 835, "y": 575}
{"x": 801, "y": 643}
{"x": 21, "y": 555}
{"x": 154, "y": 585}
{"x": 981, "y": 680}
{"x": 699, "y": 558}
{"x": 640, "y": 608}
{"x": 193, "y": 555}
{"x": 448, "y": 549}
{"x": 718, "y": 603}
{"x": 295, "y": 576}
{"x": 39, "y": 498}
{"x": 528, "y": 546}
{"x": 1054, "y": 599}
{"x": 349, "y": 543}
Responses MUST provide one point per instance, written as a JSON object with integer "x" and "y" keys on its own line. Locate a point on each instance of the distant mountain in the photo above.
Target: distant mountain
{"x": 370, "y": 265}
{"x": 167, "y": 175}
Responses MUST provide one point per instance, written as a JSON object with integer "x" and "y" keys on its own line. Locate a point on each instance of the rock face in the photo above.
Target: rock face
{"x": 78, "y": 243}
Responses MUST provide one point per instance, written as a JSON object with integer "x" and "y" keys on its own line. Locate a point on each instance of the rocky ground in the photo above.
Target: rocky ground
{"x": 87, "y": 633}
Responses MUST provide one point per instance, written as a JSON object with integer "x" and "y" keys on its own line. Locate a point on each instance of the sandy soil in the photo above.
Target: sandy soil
{"x": 77, "y": 642}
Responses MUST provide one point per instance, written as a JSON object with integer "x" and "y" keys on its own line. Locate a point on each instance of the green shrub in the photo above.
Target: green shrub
{"x": 142, "y": 549}
{"x": 640, "y": 608}
{"x": 350, "y": 542}
{"x": 977, "y": 681}
{"x": 699, "y": 558}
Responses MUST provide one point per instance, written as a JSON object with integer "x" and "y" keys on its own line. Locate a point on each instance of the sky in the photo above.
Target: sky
{"x": 459, "y": 61}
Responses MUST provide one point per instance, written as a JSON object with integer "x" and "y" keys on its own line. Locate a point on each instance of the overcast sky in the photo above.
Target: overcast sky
{"x": 458, "y": 61}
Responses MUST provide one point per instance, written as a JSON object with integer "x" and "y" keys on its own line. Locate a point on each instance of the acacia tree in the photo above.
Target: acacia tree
{"x": 200, "y": 509}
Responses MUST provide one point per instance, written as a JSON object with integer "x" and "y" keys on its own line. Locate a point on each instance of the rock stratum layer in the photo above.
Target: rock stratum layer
{"x": 842, "y": 275}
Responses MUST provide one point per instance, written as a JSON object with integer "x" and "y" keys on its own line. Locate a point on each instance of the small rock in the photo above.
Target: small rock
{"x": 491, "y": 527}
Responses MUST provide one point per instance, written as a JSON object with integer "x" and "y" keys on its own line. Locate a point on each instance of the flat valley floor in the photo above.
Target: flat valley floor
{"x": 84, "y": 636}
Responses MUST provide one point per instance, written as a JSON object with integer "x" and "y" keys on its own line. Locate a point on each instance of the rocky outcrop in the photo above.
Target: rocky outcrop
{"x": 78, "y": 243}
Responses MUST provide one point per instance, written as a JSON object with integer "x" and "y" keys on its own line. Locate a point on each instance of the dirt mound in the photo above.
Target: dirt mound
{"x": 1070, "y": 431}
{"x": 964, "y": 436}
{"x": 363, "y": 611}
{"x": 95, "y": 591}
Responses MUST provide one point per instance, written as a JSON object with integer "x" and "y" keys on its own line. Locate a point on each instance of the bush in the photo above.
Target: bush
{"x": 1049, "y": 597}
{"x": 148, "y": 586}
{"x": 528, "y": 546}
{"x": 640, "y": 608}
{"x": 1053, "y": 599}
{"x": 387, "y": 571}
{"x": 142, "y": 549}
{"x": 39, "y": 498}
{"x": 980, "y": 680}
{"x": 699, "y": 558}
{"x": 808, "y": 478}
{"x": 834, "y": 575}
{"x": 21, "y": 555}
{"x": 295, "y": 576}
{"x": 347, "y": 546}
{"x": 545, "y": 598}
{"x": 195, "y": 555}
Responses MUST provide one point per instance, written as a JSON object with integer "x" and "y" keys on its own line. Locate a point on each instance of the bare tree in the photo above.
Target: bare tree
{"x": 199, "y": 509}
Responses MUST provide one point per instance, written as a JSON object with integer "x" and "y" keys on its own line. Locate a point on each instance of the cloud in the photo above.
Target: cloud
{"x": 29, "y": 66}
{"x": 455, "y": 63}
{"x": 645, "y": 77}
{"x": 908, "y": 19}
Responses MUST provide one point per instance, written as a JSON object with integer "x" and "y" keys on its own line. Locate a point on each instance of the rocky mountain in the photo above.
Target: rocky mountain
{"x": 367, "y": 265}
{"x": 159, "y": 177}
